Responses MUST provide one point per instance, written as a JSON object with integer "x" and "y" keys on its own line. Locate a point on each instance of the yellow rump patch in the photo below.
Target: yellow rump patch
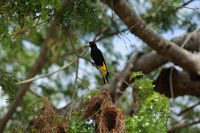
{"x": 103, "y": 69}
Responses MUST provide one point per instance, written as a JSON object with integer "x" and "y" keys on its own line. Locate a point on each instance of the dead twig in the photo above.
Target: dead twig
{"x": 188, "y": 109}
{"x": 47, "y": 74}
{"x": 183, "y": 125}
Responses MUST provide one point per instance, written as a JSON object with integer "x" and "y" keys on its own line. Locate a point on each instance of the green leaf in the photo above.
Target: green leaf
{"x": 77, "y": 124}
{"x": 8, "y": 84}
{"x": 152, "y": 117}
{"x": 145, "y": 88}
{"x": 136, "y": 75}
{"x": 90, "y": 94}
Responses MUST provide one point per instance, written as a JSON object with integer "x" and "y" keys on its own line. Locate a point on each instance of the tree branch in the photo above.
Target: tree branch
{"x": 38, "y": 65}
{"x": 167, "y": 49}
{"x": 20, "y": 31}
{"x": 182, "y": 83}
{"x": 151, "y": 61}
{"x": 107, "y": 35}
{"x": 182, "y": 125}
{"x": 188, "y": 109}
{"x": 47, "y": 74}
{"x": 183, "y": 5}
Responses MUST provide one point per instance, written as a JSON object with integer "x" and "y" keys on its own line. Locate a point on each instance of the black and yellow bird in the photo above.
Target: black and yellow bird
{"x": 99, "y": 61}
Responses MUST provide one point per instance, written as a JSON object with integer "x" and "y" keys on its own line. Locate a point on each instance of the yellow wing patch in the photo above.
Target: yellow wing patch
{"x": 103, "y": 69}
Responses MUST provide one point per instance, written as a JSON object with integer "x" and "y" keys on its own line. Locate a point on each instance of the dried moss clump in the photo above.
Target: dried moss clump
{"x": 48, "y": 121}
{"x": 108, "y": 117}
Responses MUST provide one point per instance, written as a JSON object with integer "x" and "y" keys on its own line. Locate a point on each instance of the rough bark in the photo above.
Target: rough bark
{"x": 164, "y": 50}
{"x": 149, "y": 62}
{"x": 182, "y": 83}
{"x": 167, "y": 49}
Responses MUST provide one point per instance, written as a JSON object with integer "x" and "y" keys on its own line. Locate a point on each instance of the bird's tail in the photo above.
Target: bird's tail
{"x": 104, "y": 72}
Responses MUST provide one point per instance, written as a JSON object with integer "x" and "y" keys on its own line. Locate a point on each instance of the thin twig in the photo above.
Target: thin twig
{"x": 110, "y": 34}
{"x": 76, "y": 77}
{"x": 99, "y": 33}
{"x": 82, "y": 80}
{"x": 47, "y": 74}
{"x": 191, "y": 8}
{"x": 171, "y": 70}
{"x": 24, "y": 30}
{"x": 51, "y": 73}
{"x": 171, "y": 85}
{"x": 173, "y": 112}
{"x": 75, "y": 85}
{"x": 73, "y": 48}
{"x": 77, "y": 70}
{"x": 184, "y": 5}
{"x": 189, "y": 37}
{"x": 183, "y": 125}
{"x": 121, "y": 36}
{"x": 133, "y": 26}
{"x": 32, "y": 92}
{"x": 188, "y": 109}
{"x": 116, "y": 75}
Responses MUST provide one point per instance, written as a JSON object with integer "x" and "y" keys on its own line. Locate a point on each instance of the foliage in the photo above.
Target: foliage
{"x": 90, "y": 94}
{"x": 28, "y": 110}
{"x": 81, "y": 14}
{"x": 8, "y": 85}
{"x": 163, "y": 15}
{"x": 183, "y": 103}
{"x": 153, "y": 114}
{"x": 145, "y": 88}
{"x": 144, "y": 85}
{"x": 18, "y": 15}
{"x": 136, "y": 75}
{"x": 158, "y": 8}
{"x": 189, "y": 130}
{"x": 77, "y": 124}
{"x": 4, "y": 36}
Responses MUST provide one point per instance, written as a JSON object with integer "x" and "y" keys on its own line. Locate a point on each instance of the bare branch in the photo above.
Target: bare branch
{"x": 151, "y": 61}
{"x": 99, "y": 33}
{"x": 167, "y": 49}
{"x": 184, "y": 5}
{"x": 171, "y": 85}
{"x": 29, "y": 28}
{"x": 182, "y": 83}
{"x": 189, "y": 37}
{"x": 111, "y": 34}
{"x": 32, "y": 92}
{"x": 75, "y": 85}
{"x": 183, "y": 125}
{"x": 172, "y": 68}
{"x": 188, "y": 109}
{"x": 47, "y": 74}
